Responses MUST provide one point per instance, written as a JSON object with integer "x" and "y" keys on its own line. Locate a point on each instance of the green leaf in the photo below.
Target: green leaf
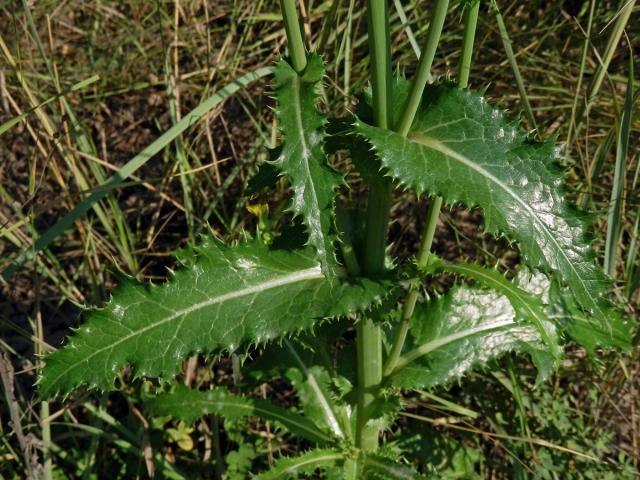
{"x": 266, "y": 177}
{"x": 309, "y": 375}
{"x": 339, "y": 138}
{"x": 307, "y": 463}
{"x": 463, "y": 149}
{"x": 303, "y": 160}
{"x": 312, "y": 384}
{"x": 465, "y": 328}
{"x": 564, "y": 311}
{"x": 384, "y": 411}
{"x": 238, "y": 462}
{"x": 539, "y": 301}
{"x": 222, "y": 297}
{"x": 190, "y": 405}
{"x": 529, "y": 307}
{"x": 378, "y": 467}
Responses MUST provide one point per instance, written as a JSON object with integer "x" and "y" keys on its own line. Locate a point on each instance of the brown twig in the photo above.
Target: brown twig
{"x": 27, "y": 442}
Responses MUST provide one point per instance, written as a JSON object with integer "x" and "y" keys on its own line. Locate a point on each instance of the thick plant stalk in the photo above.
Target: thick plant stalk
{"x": 470, "y": 23}
{"x": 369, "y": 337}
{"x": 380, "y": 192}
{"x": 294, "y": 35}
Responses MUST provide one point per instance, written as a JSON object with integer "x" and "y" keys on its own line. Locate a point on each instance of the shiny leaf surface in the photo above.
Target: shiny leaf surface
{"x": 302, "y": 158}
{"x": 222, "y": 297}
{"x": 464, "y": 329}
{"x": 528, "y": 306}
{"x": 464, "y": 150}
{"x": 564, "y": 312}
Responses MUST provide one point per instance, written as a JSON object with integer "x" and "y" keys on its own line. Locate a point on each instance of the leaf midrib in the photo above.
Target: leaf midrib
{"x": 437, "y": 145}
{"x": 440, "y": 342}
{"x": 311, "y": 461}
{"x": 306, "y": 154}
{"x": 509, "y": 290}
{"x": 298, "y": 276}
{"x": 324, "y": 403}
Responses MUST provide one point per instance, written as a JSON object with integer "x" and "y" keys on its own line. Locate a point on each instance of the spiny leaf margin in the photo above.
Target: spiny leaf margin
{"x": 222, "y": 297}
{"x": 302, "y": 157}
{"x": 571, "y": 319}
{"x": 461, "y": 330}
{"x": 465, "y": 150}
{"x": 308, "y": 462}
{"x": 529, "y": 307}
{"x": 544, "y": 302}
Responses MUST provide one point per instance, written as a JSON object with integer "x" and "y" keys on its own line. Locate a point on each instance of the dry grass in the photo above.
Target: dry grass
{"x": 157, "y": 61}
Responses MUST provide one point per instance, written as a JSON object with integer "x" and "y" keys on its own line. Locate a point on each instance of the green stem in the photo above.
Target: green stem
{"x": 294, "y": 35}
{"x": 470, "y": 23}
{"x": 369, "y": 357}
{"x": 369, "y": 337}
{"x": 380, "y": 58}
{"x": 423, "y": 75}
{"x": 412, "y": 297}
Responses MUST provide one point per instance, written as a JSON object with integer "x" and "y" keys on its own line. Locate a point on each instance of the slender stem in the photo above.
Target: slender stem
{"x": 379, "y": 200}
{"x": 44, "y": 405}
{"x": 46, "y": 442}
{"x": 369, "y": 337}
{"x": 377, "y": 225}
{"x": 506, "y": 41}
{"x": 424, "y": 67}
{"x": 412, "y": 297}
{"x": 470, "y": 23}
{"x": 294, "y": 35}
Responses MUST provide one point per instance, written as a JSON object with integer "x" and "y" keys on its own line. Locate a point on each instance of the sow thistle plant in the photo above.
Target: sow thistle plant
{"x": 436, "y": 139}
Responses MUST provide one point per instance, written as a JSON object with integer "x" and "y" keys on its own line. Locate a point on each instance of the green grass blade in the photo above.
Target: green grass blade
{"x": 73, "y": 88}
{"x": 514, "y": 66}
{"x": 631, "y": 267}
{"x": 622, "y": 18}
{"x": 583, "y": 64}
{"x": 595, "y": 169}
{"x": 134, "y": 164}
{"x": 407, "y": 27}
{"x": 614, "y": 226}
